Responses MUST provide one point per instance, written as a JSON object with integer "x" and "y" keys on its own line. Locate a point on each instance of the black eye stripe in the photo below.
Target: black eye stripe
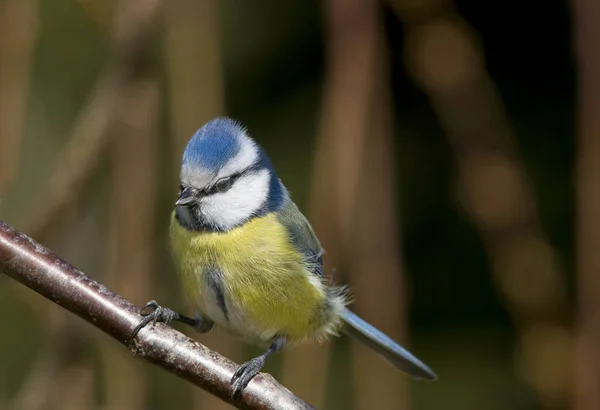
{"x": 212, "y": 189}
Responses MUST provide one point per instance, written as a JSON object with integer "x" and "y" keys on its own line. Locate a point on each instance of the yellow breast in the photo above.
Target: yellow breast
{"x": 267, "y": 288}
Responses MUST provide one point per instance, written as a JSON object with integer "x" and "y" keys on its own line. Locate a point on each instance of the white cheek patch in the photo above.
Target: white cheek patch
{"x": 245, "y": 158}
{"x": 246, "y": 196}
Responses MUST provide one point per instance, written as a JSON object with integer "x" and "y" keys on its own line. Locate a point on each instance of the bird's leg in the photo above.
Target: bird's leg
{"x": 251, "y": 368}
{"x": 166, "y": 315}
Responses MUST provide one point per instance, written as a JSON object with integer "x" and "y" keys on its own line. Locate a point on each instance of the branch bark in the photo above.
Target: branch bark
{"x": 38, "y": 268}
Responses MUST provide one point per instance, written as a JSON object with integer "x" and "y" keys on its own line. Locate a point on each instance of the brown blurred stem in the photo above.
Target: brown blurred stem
{"x": 136, "y": 21}
{"x": 89, "y": 137}
{"x": 196, "y": 91}
{"x": 131, "y": 231}
{"x": 587, "y": 360}
{"x": 18, "y": 27}
{"x": 341, "y": 135}
{"x": 36, "y": 267}
{"x": 56, "y": 381}
{"x": 444, "y": 57}
{"x": 376, "y": 261}
{"x": 36, "y": 392}
{"x": 194, "y": 67}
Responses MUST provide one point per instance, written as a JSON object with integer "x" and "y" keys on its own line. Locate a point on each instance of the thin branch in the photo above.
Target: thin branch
{"x": 36, "y": 267}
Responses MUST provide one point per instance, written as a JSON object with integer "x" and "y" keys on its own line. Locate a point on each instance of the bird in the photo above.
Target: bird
{"x": 249, "y": 260}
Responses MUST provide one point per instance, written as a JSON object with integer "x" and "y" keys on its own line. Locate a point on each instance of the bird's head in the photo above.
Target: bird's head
{"x": 226, "y": 179}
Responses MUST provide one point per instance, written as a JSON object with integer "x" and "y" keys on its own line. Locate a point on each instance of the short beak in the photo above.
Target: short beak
{"x": 185, "y": 198}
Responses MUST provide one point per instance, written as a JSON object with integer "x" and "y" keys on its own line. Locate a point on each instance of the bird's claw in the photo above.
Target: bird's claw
{"x": 158, "y": 314}
{"x": 244, "y": 374}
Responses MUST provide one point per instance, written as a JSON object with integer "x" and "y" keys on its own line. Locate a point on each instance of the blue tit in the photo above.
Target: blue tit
{"x": 249, "y": 260}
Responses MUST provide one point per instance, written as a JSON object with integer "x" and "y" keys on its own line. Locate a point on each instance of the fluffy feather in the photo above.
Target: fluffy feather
{"x": 269, "y": 288}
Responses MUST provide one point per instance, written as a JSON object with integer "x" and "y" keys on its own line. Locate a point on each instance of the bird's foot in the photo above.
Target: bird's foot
{"x": 158, "y": 314}
{"x": 245, "y": 373}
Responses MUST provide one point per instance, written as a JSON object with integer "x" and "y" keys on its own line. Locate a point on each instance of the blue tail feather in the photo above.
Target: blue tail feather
{"x": 386, "y": 346}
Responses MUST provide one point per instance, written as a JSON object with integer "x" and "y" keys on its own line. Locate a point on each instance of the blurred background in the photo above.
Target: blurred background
{"x": 447, "y": 153}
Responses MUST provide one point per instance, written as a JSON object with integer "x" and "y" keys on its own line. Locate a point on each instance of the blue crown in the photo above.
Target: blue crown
{"x": 220, "y": 140}
{"x": 214, "y": 144}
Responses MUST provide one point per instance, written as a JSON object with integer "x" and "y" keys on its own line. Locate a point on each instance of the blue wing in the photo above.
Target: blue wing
{"x": 302, "y": 235}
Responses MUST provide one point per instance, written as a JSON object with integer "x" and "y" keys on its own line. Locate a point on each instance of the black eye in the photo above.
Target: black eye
{"x": 223, "y": 185}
